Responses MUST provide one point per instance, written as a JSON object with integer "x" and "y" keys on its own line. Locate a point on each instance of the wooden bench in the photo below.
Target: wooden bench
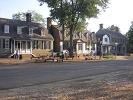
{"x": 54, "y": 59}
{"x": 46, "y": 58}
{"x": 38, "y": 57}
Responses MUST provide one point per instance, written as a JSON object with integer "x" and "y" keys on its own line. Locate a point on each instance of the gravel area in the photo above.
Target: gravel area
{"x": 101, "y": 87}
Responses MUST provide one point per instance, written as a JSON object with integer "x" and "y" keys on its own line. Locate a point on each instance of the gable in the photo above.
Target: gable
{"x": 105, "y": 39}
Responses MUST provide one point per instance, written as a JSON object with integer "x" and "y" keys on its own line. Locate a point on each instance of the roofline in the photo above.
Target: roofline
{"x": 5, "y": 37}
{"x": 17, "y": 20}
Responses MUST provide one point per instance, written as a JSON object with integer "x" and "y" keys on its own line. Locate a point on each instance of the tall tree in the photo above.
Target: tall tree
{"x": 36, "y": 17}
{"x": 129, "y": 35}
{"x": 70, "y": 12}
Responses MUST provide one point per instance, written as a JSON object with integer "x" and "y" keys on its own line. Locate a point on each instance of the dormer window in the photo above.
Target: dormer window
{"x": 30, "y": 31}
{"x": 19, "y": 30}
{"x": 105, "y": 39}
{"x": 42, "y": 32}
{"x": 6, "y": 28}
{"x": 80, "y": 35}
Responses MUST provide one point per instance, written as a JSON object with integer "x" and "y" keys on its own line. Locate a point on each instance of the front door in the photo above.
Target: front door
{"x": 80, "y": 48}
{"x": 17, "y": 45}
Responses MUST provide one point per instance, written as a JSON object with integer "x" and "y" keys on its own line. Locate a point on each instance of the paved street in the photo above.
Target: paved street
{"x": 34, "y": 77}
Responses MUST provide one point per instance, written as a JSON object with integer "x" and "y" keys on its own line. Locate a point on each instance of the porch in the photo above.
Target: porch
{"x": 23, "y": 46}
{"x": 83, "y": 48}
{"x": 27, "y": 46}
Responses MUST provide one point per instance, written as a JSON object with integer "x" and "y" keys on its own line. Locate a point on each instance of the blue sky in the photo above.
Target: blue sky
{"x": 9, "y": 7}
{"x": 119, "y": 12}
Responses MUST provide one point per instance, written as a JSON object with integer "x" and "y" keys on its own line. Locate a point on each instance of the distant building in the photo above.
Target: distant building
{"x": 110, "y": 42}
{"x": 83, "y": 42}
{"x": 26, "y": 36}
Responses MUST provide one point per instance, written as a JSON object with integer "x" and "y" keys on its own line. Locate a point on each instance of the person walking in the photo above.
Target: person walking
{"x": 16, "y": 54}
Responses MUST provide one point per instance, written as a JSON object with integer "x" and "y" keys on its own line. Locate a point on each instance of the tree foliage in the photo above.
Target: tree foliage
{"x": 129, "y": 35}
{"x": 81, "y": 26}
{"x": 70, "y": 12}
{"x": 114, "y": 28}
{"x": 36, "y": 17}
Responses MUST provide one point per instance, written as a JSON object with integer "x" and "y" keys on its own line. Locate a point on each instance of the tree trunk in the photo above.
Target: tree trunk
{"x": 62, "y": 22}
{"x": 63, "y": 30}
{"x": 71, "y": 41}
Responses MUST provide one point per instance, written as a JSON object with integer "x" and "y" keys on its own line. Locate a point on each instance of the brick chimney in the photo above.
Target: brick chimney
{"x": 28, "y": 17}
{"x": 49, "y": 22}
{"x": 100, "y": 26}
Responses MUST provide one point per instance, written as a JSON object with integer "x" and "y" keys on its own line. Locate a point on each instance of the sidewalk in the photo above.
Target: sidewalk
{"x": 11, "y": 61}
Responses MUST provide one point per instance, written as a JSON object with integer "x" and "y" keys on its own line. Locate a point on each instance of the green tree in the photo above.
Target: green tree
{"x": 81, "y": 26}
{"x": 70, "y": 12}
{"x": 129, "y": 35}
{"x": 36, "y": 17}
{"x": 19, "y": 16}
{"x": 114, "y": 28}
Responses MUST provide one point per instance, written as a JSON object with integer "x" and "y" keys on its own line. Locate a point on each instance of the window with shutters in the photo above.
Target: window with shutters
{"x": 6, "y": 43}
{"x": 19, "y": 30}
{"x": 80, "y": 47}
{"x": 6, "y": 28}
{"x": 45, "y": 45}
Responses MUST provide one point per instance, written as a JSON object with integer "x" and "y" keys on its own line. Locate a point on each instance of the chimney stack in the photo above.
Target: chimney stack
{"x": 101, "y": 26}
{"x": 28, "y": 17}
{"x": 49, "y": 22}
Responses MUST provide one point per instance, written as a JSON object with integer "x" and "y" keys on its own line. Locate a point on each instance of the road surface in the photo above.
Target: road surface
{"x": 34, "y": 77}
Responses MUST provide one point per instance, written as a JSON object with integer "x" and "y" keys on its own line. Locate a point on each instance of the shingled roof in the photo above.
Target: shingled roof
{"x": 112, "y": 34}
{"x": 109, "y": 32}
{"x": 15, "y": 23}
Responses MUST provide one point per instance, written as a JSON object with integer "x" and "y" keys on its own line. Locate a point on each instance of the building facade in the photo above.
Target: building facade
{"x": 25, "y": 36}
{"x": 83, "y": 43}
{"x": 110, "y": 42}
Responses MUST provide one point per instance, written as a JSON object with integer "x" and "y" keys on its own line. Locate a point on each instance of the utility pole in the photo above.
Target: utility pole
{"x": 116, "y": 49}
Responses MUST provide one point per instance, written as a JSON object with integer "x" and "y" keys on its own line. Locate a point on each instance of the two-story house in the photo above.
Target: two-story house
{"x": 110, "y": 42}
{"x": 25, "y": 36}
